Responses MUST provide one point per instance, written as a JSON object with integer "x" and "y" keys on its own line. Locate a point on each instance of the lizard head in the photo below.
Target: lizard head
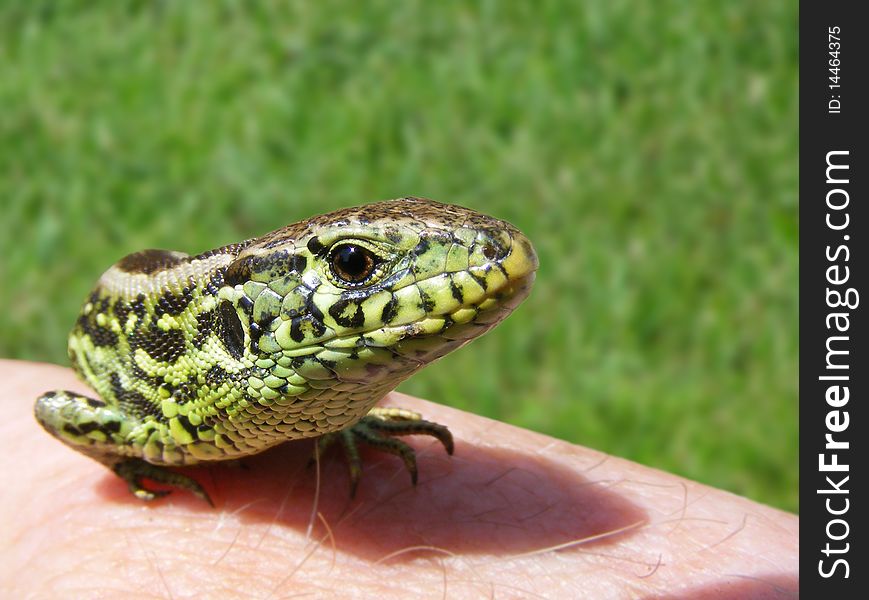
{"x": 356, "y": 300}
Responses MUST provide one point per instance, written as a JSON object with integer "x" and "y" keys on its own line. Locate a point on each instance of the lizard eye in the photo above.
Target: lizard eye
{"x": 352, "y": 263}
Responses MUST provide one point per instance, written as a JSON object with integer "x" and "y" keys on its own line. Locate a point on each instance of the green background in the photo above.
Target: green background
{"x": 649, "y": 150}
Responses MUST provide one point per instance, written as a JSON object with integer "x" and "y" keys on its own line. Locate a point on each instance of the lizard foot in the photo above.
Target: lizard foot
{"x": 132, "y": 470}
{"x": 377, "y": 429}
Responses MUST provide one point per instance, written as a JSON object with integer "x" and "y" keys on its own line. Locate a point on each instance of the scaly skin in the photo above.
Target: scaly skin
{"x": 294, "y": 334}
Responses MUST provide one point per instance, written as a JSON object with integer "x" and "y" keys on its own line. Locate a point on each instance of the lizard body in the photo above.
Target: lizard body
{"x": 295, "y": 334}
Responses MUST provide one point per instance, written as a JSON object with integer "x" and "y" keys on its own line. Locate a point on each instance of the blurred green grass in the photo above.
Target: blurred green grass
{"x": 648, "y": 149}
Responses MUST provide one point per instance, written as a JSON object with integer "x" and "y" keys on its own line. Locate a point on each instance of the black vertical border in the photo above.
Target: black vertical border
{"x": 821, "y": 132}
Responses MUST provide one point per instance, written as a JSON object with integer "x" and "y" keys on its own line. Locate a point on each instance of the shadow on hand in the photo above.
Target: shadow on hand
{"x": 481, "y": 500}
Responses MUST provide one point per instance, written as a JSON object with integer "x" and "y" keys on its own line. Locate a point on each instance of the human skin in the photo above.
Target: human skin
{"x": 513, "y": 514}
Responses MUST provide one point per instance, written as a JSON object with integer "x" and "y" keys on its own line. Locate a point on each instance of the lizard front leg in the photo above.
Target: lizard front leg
{"x": 93, "y": 428}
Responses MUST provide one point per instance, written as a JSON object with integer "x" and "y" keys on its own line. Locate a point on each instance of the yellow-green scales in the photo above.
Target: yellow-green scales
{"x": 294, "y": 334}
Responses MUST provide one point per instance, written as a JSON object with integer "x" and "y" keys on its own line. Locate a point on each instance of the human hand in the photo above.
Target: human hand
{"x": 512, "y": 514}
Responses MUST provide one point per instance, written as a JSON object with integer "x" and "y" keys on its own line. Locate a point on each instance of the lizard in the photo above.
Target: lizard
{"x": 294, "y": 334}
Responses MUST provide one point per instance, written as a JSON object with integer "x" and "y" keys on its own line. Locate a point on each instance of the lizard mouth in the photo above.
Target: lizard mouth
{"x": 500, "y": 301}
{"x": 387, "y": 355}
{"x": 454, "y": 327}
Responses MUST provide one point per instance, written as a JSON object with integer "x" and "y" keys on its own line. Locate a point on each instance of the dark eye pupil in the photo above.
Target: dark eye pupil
{"x": 352, "y": 263}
